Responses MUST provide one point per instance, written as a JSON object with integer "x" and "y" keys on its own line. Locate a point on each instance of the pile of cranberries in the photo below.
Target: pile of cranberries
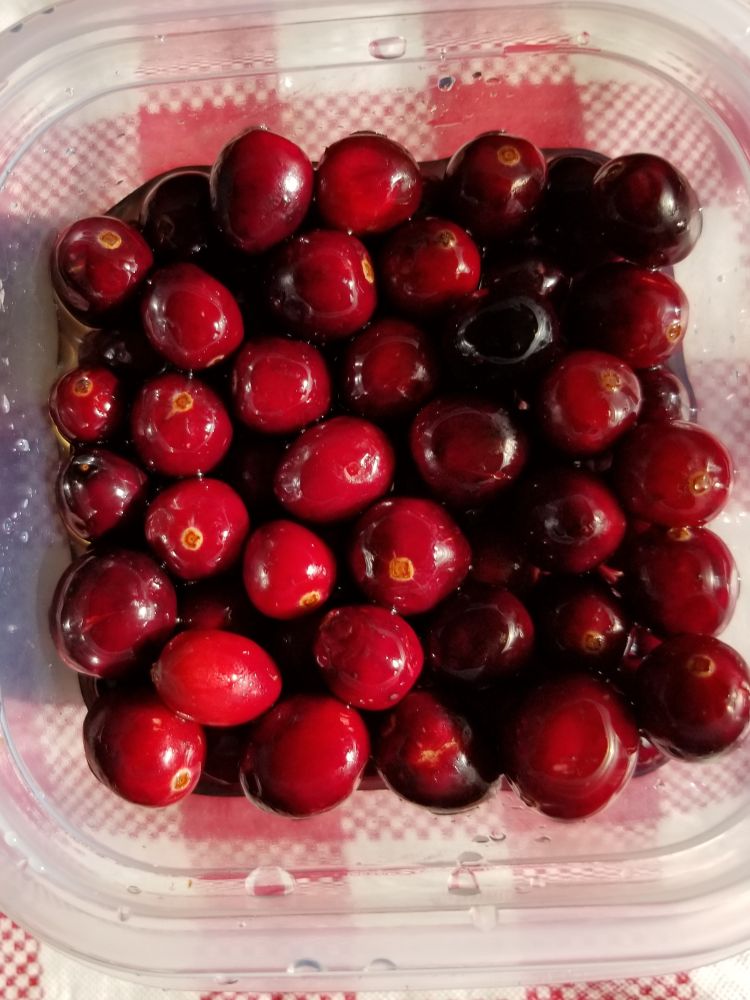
{"x": 374, "y": 465}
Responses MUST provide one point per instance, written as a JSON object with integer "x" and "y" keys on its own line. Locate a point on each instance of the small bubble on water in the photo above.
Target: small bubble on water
{"x": 22, "y": 445}
{"x": 303, "y": 966}
{"x": 4, "y": 403}
{"x": 583, "y": 38}
{"x": 480, "y": 838}
{"x": 445, "y": 83}
{"x": 224, "y": 979}
{"x": 392, "y": 47}
{"x": 544, "y": 839}
{"x": 380, "y": 965}
{"x": 23, "y": 537}
{"x": 469, "y": 858}
{"x": 134, "y": 890}
{"x": 497, "y": 836}
{"x": 123, "y": 913}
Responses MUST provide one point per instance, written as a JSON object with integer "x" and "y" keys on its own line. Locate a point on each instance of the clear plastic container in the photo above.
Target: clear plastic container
{"x": 94, "y": 98}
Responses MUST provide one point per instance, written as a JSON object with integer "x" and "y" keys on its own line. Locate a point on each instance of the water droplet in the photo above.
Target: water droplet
{"x": 392, "y": 47}
{"x": 469, "y": 858}
{"x": 442, "y": 53}
{"x": 544, "y": 839}
{"x": 23, "y": 537}
{"x": 22, "y": 445}
{"x": 161, "y": 38}
{"x": 483, "y": 917}
{"x": 463, "y": 882}
{"x": 242, "y": 924}
{"x": 69, "y": 91}
{"x": 123, "y": 913}
{"x": 224, "y": 979}
{"x": 497, "y": 836}
{"x": 303, "y": 966}
{"x": 134, "y": 890}
{"x": 583, "y": 38}
{"x": 446, "y": 83}
{"x": 269, "y": 880}
{"x": 480, "y": 838}
{"x": 10, "y": 839}
{"x": 380, "y": 965}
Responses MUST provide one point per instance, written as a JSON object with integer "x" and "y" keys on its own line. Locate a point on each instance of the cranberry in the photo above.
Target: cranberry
{"x": 141, "y": 750}
{"x": 305, "y": 756}
{"x": 189, "y": 317}
{"x": 176, "y": 216}
{"x": 650, "y": 757}
{"x": 494, "y": 184}
{"x": 526, "y": 272}
{"x": 572, "y": 747}
{"x": 250, "y": 467}
{"x": 334, "y": 470}
{"x": 98, "y": 491}
{"x": 674, "y": 474}
{"x": 499, "y": 557}
{"x": 321, "y": 285}
{"x": 467, "y": 450}
{"x": 280, "y": 385}
{"x": 648, "y": 209}
{"x": 288, "y": 571}
{"x": 87, "y": 404}
{"x": 587, "y": 401}
{"x": 98, "y": 264}
{"x": 566, "y": 220}
{"x": 427, "y": 265}
{"x": 111, "y": 611}
{"x": 225, "y": 748}
{"x": 261, "y": 188}
{"x": 693, "y": 696}
{"x": 367, "y": 184}
{"x": 408, "y": 554}
{"x": 582, "y": 624}
{"x": 664, "y": 397}
{"x": 216, "y": 603}
{"x": 180, "y": 426}
{"x": 216, "y": 678}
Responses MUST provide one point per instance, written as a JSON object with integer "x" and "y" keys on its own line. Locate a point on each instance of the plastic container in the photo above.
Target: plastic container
{"x": 94, "y": 98}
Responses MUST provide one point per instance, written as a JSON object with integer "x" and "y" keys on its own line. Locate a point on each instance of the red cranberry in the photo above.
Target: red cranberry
{"x": 582, "y": 624}
{"x": 664, "y": 397}
{"x": 693, "y": 696}
{"x": 180, "y": 426}
{"x": 674, "y": 474}
{"x": 650, "y": 757}
{"x": 288, "y": 571}
{"x": 334, "y": 470}
{"x": 98, "y": 264}
{"x": 216, "y": 678}
{"x": 111, "y": 611}
{"x": 322, "y": 285}
{"x": 467, "y": 450}
{"x": 124, "y": 349}
{"x": 367, "y": 184}
{"x": 499, "y": 557}
{"x": 305, "y": 756}
{"x": 87, "y": 404}
{"x": 494, "y": 184}
{"x": 572, "y": 747}
{"x": 98, "y": 491}
{"x": 280, "y": 385}
{"x": 566, "y": 220}
{"x": 370, "y": 658}
{"x": 648, "y": 209}
{"x": 526, "y": 272}
{"x": 408, "y": 554}
{"x": 250, "y": 467}
{"x": 427, "y": 265}
{"x": 176, "y": 216}
{"x": 141, "y": 750}
{"x": 261, "y": 188}
{"x": 216, "y": 603}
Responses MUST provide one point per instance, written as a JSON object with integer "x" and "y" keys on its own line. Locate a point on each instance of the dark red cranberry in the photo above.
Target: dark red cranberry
{"x": 189, "y": 317}
{"x": 674, "y": 474}
{"x": 261, "y": 188}
{"x": 216, "y": 603}
{"x": 176, "y": 216}
{"x": 649, "y": 211}
{"x": 288, "y": 571}
{"x": 250, "y": 467}
{"x": 225, "y": 748}
{"x": 663, "y": 396}
{"x": 468, "y": 450}
{"x": 567, "y": 222}
{"x": 367, "y": 183}
{"x": 494, "y": 184}
{"x": 587, "y": 401}
{"x": 98, "y": 491}
{"x": 571, "y": 747}
{"x": 124, "y": 349}
{"x": 693, "y": 696}
{"x": 98, "y": 264}
{"x": 110, "y": 612}
{"x": 180, "y": 426}
{"x": 321, "y": 285}
{"x": 280, "y": 385}
{"x": 216, "y": 678}
{"x": 499, "y": 557}
{"x": 428, "y": 265}
{"x": 526, "y": 272}
{"x": 87, "y": 404}
{"x": 334, "y": 470}
{"x": 581, "y": 623}
{"x": 650, "y": 757}
{"x": 408, "y": 554}
{"x": 305, "y": 756}
{"x": 141, "y": 750}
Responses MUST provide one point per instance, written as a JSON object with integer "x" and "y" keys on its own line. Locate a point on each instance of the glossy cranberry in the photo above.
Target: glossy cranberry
{"x": 197, "y": 527}
{"x": 566, "y": 221}
{"x": 261, "y": 188}
{"x": 428, "y": 265}
{"x": 280, "y": 385}
{"x": 180, "y": 426}
{"x": 110, "y": 612}
{"x": 225, "y": 748}
{"x": 468, "y": 450}
{"x": 499, "y": 557}
{"x": 389, "y": 370}
{"x": 142, "y": 750}
{"x": 216, "y": 678}
{"x": 216, "y": 603}
{"x": 98, "y": 491}
{"x": 87, "y": 404}
{"x": 650, "y": 757}
{"x": 305, "y": 756}
{"x": 674, "y": 474}
{"x": 408, "y": 554}
{"x": 428, "y": 752}
{"x": 98, "y": 264}
{"x": 124, "y": 349}
{"x": 649, "y": 211}
{"x": 526, "y": 272}
{"x": 250, "y": 467}
{"x": 321, "y": 285}
{"x": 367, "y": 184}
{"x": 288, "y": 571}
{"x": 570, "y": 520}
{"x": 334, "y": 470}
{"x": 587, "y": 401}
{"x": 176, "y": 216}
{"x": 637, "y": 314}
{"x": 693, "y": 696}
{"x": 494, "y": 184}
{"x": 189, "y": 317}
{"x": 663, "y": 396}
{"x": 582, "y": 624}
{"x": 571, "y": 747}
